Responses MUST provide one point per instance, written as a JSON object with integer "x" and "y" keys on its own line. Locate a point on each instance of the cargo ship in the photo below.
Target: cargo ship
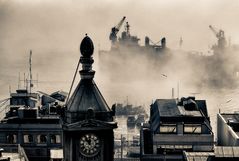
{"x": 131, "y": 61}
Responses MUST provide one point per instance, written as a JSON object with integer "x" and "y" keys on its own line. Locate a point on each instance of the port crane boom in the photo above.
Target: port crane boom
{"x": 220, "y": 36}
{"x": 115, "y": 30}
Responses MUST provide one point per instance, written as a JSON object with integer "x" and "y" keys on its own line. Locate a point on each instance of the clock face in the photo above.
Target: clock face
{"x": 89, "y": 145}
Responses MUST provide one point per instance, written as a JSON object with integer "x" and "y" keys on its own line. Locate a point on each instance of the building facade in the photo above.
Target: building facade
{"x": 24, "y": 125}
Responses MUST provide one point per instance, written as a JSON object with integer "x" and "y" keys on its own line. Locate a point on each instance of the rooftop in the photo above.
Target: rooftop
{"x": 232, "y": 119}
{"x": 226, "y": 151}
{"x": 169, "y": 107}
{"x": 197, "y": 156}
{"x": 176, "y": 110}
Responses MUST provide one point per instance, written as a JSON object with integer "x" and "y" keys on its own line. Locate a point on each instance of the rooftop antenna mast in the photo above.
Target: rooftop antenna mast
{"x": 19, "y": 81}
{"x": 178, "y": 89}
{"x": 30, "y": 71}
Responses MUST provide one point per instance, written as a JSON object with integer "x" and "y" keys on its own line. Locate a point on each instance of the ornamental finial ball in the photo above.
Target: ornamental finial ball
{"x": 87, "y": 47}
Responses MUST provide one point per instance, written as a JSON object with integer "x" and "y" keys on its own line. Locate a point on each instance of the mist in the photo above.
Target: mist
{"x": 54, "y": 29}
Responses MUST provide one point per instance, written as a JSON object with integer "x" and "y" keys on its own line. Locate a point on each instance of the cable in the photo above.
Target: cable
{"x": 73, "y": 82}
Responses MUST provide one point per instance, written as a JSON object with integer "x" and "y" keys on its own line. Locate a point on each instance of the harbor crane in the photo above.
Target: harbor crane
{"x": 115, "y": 30}
{"x": 220, "y": 36}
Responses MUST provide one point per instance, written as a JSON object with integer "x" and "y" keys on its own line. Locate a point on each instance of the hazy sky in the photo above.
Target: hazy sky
{"x": 62, "y": 23}
{"x": 53, "y": 29}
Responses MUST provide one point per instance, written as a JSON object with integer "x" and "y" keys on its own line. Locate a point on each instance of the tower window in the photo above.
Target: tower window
{"x": 28, "y": 138}
{"x": 42, "y": 139}
{"x": 11, "y": 138}
{"x": 55, "y": 139}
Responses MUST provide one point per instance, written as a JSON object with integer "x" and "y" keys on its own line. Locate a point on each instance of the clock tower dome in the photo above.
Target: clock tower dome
{"x": 88, "y": 128}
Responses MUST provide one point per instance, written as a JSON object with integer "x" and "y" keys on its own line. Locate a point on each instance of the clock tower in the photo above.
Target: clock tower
{"x": 88, "y": 128}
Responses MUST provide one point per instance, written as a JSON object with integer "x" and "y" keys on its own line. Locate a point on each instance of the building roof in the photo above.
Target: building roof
{"x": 171, "y": 107}
{"x": 232, "y": 120}
{"x": 187, "y": 110}
{"x": 197, "y": 156}
{"x": 87, "y": 95}
{"x": 220, "y": 153}
{"x": 167, "y": 107}
{"x": 63, "y": 93}
{"x": 226, "y": 151}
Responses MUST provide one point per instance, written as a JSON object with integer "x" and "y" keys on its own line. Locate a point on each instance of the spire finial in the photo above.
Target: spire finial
{"x": 87, "y": 49}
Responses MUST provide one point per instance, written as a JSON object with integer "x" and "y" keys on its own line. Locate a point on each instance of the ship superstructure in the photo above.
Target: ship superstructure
{"x": 215, "y": 69}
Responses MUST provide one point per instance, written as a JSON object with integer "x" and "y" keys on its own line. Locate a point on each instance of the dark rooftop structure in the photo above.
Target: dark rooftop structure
{"x": 31, "y": 124}
{"x": 176, "y": 126}
{"x": 24, "y": 125}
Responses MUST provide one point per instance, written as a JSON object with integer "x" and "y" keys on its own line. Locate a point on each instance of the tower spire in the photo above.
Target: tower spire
{"x": 88, "y": 116}
{"x": 87, "y": 95}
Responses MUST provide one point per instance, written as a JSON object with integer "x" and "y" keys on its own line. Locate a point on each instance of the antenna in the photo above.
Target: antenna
{"x": 30, "y": 71}
{"x": 10, "y": 89}
{"x": 172, "y": 93}
{"x": 24, "y": 79}
{"x": 127, "y": 101}
{"x": 178, "y": 89}
{"x": 37, "y": 79}
{"x": 19, "y": 80}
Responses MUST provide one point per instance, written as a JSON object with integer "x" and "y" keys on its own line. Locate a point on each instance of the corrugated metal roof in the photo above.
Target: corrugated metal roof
{"x": 167, "y": 107}
{"x": 226, "y": 151}
{"x": 235, "y": 151}
{"x": 197, "y": 156}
